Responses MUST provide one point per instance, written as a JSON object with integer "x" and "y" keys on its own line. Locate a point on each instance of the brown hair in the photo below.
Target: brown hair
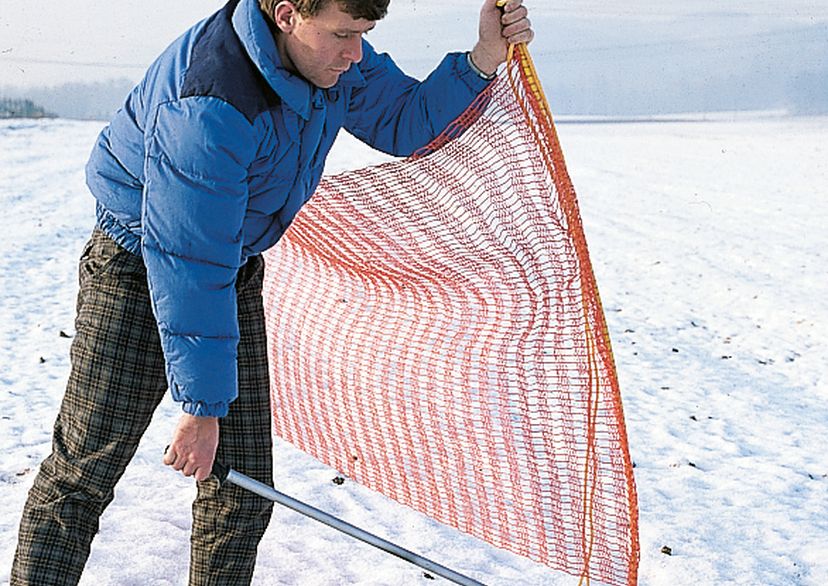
{"x": 367, "y": 9}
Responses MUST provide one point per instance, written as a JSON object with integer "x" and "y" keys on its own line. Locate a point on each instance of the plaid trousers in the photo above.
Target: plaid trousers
{"x": 117, "y": 380}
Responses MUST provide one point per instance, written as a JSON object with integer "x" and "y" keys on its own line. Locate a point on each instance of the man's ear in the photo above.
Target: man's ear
{"x": 285, "y": 15}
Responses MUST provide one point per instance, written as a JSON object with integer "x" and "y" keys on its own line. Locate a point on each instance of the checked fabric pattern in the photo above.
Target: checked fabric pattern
{"x": 116, "y": 382}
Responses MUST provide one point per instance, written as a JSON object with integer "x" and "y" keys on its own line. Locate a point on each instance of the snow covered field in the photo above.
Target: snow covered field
{"x": 709, "y": 242}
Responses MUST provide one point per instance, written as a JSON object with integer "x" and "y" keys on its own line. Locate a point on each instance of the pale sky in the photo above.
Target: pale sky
{"x": 87, "y": 40}
{"x": 46, "y": 43}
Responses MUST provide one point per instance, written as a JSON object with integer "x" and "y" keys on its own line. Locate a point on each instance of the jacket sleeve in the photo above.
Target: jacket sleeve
{"x": 195, "y": 198}
{"x": 396, "y": 113}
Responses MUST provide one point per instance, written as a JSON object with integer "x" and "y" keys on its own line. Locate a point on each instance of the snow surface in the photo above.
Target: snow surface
{"x": 708, "y": 240}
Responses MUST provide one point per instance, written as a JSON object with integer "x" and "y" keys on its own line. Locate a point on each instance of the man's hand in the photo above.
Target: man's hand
{"x": 193, "y": 446}
{"x": 500, "y": 27}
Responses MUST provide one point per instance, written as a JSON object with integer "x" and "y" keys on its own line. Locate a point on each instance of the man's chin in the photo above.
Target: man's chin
{"x": 327, "y": 81}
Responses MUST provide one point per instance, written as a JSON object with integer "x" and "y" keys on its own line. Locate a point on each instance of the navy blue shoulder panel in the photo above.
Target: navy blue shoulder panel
{"x": 221, "y": 68}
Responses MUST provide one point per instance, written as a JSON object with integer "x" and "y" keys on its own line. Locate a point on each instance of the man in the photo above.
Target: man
{"x": 204, "y": 167}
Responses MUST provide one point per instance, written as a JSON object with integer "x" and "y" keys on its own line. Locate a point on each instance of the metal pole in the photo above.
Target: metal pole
{"x": 225, "y": 474}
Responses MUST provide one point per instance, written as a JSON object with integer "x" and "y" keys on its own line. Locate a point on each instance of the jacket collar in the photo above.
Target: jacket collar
{"x": 254, "y": 33}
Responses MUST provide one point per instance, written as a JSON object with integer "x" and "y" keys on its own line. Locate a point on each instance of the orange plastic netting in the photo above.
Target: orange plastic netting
{"x": 436, "y": 335}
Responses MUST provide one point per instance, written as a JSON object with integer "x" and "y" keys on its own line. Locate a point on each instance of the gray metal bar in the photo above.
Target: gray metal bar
{"x": 269, "y": 493}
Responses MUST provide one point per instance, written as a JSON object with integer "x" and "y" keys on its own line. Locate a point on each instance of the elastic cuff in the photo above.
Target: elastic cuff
{"x": 202, "y": 409}
{"x": 478, "y": 71}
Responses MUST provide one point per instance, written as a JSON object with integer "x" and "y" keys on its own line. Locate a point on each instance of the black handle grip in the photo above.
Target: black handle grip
{"x": 220, "y": 471}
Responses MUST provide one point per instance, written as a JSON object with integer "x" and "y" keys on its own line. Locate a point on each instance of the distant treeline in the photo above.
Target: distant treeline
{"x": 673, "y": 71}
{"x": 81, "y": 101}
{"x": 593, "y": 68}
{"x": 22, "y": 108}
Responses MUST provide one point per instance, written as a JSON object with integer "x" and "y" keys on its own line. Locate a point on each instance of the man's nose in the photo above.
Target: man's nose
{"x": 353, "y": 52}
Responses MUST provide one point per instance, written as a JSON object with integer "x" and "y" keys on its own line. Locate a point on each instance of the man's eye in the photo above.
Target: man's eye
{"x": 342, "y": 35}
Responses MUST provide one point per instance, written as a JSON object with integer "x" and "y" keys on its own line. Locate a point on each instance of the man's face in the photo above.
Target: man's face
{"x": 320, "y": 48}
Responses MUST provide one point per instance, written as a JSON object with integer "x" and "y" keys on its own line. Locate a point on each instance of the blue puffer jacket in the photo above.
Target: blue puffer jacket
{"x": 214, "y": 153}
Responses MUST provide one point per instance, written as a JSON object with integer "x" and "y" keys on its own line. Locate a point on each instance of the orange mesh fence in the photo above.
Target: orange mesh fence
{"x": 436, "y": 335}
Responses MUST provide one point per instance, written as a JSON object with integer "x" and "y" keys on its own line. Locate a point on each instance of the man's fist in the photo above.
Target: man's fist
{"x": 193, "y": 446}
{"x": 500, "y": 27}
